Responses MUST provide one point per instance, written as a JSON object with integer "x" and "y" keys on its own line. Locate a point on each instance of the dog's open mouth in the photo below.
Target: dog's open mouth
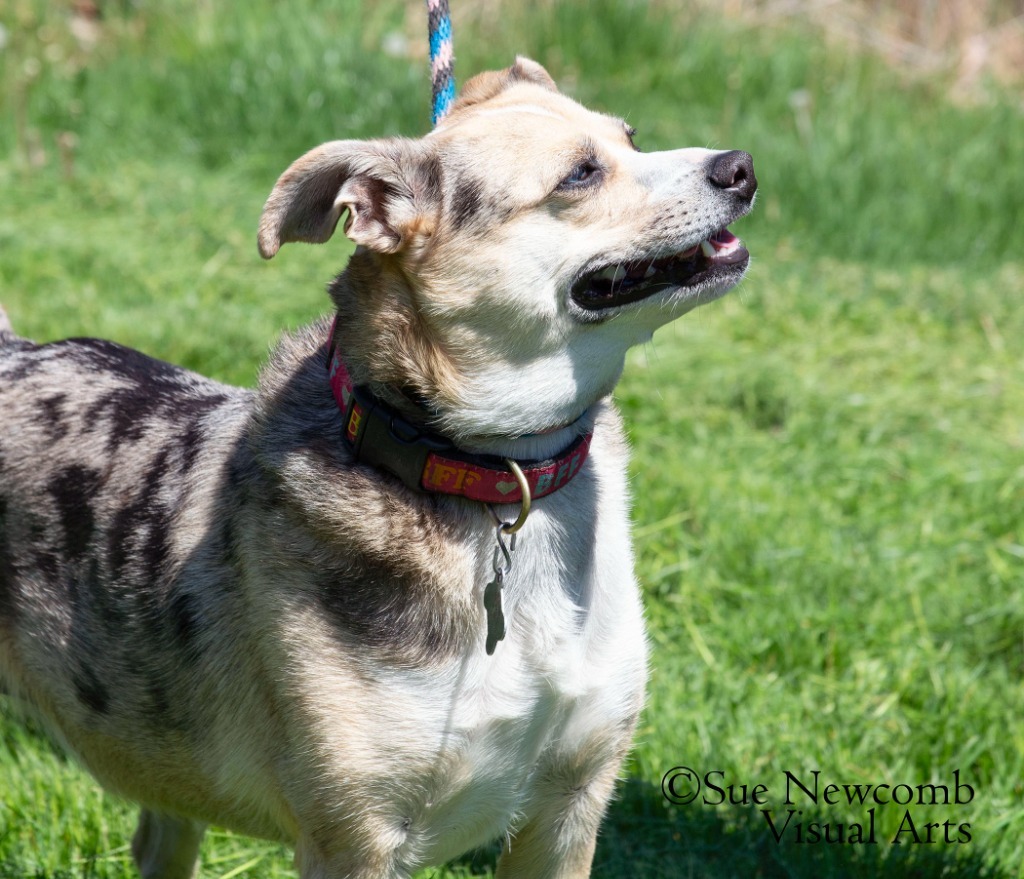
{"x": 621, "y": 283}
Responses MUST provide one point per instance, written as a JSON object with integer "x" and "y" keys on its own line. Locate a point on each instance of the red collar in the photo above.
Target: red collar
{"x": 428, "y": 462}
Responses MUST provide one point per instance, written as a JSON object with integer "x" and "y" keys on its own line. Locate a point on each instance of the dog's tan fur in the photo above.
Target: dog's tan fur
{"x": 228, "y": 619}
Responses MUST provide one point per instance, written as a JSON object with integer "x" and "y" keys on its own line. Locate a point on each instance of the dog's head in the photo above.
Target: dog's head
{"x": 508, "y": 259}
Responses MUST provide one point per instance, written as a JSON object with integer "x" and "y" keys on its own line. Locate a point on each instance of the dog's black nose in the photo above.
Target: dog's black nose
{"x": 734, "y": 172}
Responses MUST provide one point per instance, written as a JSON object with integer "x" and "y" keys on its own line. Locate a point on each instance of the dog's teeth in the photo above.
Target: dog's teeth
{"x": 620, "y": 273}
{"x": 651, "y": 272}
{"x": 708, "y": 249}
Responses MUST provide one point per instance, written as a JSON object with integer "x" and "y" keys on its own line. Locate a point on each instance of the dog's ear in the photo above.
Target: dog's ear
{"x": 487, "y": 85}
{"x": 383, "y": 184}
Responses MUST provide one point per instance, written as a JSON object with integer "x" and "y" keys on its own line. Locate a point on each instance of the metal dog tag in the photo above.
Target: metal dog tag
{"x": 495, "y": 614}
{"x": 492, "y": 593}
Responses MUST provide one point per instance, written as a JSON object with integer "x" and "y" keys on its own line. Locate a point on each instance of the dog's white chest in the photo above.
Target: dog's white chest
{"x": 571, "y": 665}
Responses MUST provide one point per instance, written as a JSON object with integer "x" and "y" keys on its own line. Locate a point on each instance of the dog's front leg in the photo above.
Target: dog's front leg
{"x": 166, "y": 847}
{"x": 558, "y": 837}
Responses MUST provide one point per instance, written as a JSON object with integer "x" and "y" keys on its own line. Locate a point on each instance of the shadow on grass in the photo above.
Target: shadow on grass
{"x": 644, "y": 837}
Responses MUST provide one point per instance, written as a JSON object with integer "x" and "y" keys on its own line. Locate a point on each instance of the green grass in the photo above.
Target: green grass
{"x": 829, "y": 463}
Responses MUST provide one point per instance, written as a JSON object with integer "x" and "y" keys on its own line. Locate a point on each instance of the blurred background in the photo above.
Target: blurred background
{"x": 828, "y": 464}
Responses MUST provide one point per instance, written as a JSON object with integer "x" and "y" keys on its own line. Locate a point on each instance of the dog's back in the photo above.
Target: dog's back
{"x": 110, "y": 471}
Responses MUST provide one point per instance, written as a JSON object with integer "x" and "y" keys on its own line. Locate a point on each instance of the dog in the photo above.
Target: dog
{"x": 383, "y": 607}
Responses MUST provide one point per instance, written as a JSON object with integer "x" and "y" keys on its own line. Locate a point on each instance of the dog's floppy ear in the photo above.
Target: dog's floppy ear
{"x": 378, "y": 182}
{"x": 484, "y": 86}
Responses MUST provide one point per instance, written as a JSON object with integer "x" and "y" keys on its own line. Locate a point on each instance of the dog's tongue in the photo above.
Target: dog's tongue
{"x": 722, "y": 246}
{"x": 723, "y": 239}
{"x": 722, "y": 242}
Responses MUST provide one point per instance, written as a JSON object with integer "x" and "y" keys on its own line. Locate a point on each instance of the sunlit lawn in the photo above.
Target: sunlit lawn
{"x": 829, "y": 463}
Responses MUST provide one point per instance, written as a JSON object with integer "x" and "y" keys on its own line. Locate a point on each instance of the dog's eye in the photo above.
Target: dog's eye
{"x": 585, "y": 172}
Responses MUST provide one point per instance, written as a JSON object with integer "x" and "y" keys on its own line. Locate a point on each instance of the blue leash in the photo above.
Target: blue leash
{"x": 442, "y": 58}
